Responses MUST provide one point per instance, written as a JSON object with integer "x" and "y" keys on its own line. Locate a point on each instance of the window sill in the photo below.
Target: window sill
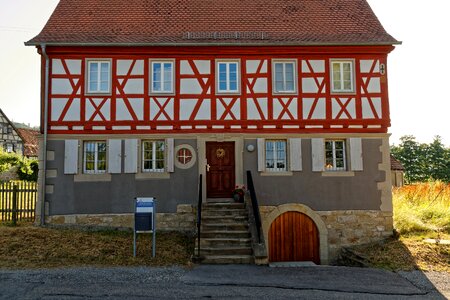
{"x": 287, "y": 93}
{"x": 152, "y": 175}
{"x": 338, "y": 173}
{"x": 92, "y": 177}
{"x": 230, "y": 93}
{"x": 109, "y": 93}
{"x": 161, "y": 94}
{"x": 284, "y": 173}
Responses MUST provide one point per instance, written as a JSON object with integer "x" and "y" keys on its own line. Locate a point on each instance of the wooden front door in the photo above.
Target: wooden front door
{"x": 293, "y": 236}
{"x": 219, "y": 169}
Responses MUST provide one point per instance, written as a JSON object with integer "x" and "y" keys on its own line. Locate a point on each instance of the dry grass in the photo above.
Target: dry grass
{"x": 423, "y": 207}
{"x": 407, "y": 253}
{"x": 34, "y": 247}
{"x": 421, "y": 211}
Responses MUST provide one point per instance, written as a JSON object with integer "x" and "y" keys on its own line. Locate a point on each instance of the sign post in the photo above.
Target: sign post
{"x": 144, "y": 221}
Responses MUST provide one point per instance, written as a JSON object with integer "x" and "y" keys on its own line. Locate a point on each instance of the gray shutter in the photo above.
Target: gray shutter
{"x": 131, "y": 156}
{"x": 71, "y": 157}
{"x": 318, "y": 155}
{"x": 169, "y": 160}
{"x": 295, "y": 154}
{"x": 114, "y": 156}
{"x": 261, "y": 160}
{"x": 356, "y": 159}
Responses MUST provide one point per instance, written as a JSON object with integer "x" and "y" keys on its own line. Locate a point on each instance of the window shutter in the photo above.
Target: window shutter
{"x": 114, "y": 156}
{"x": 318, "y": 155}
{"x": 131, "y": 156}
{"x": 356, "y": 159}
{"x": 169, "y": 159}
{"x": 295, "y": 154}
{"x": 71, "y": 157}
{"x": 261, "y": 148}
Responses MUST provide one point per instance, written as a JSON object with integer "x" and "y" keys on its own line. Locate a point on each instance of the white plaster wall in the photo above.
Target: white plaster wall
{"x": 252, "y": 111}
{"x": 190, "y": 86}
{"x": 278, "y": 108}
{"x": 319, "y": 111}
{"x": 235, "y": 109}
{"x": 366, "y": 109}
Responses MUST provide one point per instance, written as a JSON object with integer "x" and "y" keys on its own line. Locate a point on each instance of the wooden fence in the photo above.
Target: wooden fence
{"x": 17, "y": 201}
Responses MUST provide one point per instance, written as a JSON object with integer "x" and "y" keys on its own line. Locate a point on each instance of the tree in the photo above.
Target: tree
{"x": 423, "y": 162}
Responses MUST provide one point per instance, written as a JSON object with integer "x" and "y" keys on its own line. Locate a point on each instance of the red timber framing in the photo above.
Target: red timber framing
{"x": 194, "y": 106}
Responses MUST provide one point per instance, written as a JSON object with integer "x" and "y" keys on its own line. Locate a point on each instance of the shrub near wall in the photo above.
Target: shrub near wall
{"x": 25, "y": 169}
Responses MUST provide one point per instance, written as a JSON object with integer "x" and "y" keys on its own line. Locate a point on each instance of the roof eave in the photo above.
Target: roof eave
{"x": 172, "y": 44}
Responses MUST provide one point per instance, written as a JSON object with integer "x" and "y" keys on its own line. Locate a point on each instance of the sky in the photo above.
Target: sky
{"x": 418, "y": 70}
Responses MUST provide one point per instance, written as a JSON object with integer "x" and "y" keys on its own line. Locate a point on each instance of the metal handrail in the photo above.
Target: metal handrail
{"x": 199, "y": 213}
{"x": 255, "y": 205}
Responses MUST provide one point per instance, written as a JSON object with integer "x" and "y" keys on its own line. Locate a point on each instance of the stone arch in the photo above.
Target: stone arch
{"x": 321, "y": 227}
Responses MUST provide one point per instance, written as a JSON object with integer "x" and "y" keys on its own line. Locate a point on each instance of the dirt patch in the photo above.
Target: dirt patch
{"x": 27, "y": 246}
{"x": 406, "y": 253}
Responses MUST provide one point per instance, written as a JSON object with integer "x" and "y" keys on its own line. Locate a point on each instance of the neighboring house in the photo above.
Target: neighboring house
{"x": 30, "y": 140}
{"x": 397, "y": 172}
{"x": 10, "y": 141}
{"x": 145, "y": 96}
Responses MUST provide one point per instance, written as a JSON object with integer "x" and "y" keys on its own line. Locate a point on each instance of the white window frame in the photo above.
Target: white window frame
{"x": 275, "y": 157}
{"x": 341, "y": 63}
{"x": 172, "y": 80}
{"x": 88, "y": 72}
{"x": 284, "y": 62}
{"x": 333, "y": 167}
{"x": 96, "y": 161}
{"x": 228, "y": 62}
{"x": 153, "y": 169}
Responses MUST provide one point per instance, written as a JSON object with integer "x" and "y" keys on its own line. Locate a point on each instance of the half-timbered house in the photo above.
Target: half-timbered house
{"x": 139, "y": 98}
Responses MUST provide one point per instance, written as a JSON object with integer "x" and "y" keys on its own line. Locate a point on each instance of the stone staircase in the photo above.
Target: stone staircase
{"x": 225, "y": 237}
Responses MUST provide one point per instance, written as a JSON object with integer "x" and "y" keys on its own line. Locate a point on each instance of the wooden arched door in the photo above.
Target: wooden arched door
{"x": 293, "y": 236}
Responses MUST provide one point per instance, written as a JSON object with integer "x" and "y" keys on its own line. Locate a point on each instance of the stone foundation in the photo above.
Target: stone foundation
{"x": 349, "y": 227}
{"x": 182, "y": 220}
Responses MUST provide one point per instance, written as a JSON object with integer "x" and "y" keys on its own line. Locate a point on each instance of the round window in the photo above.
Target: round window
{"x": 184, "y": 156}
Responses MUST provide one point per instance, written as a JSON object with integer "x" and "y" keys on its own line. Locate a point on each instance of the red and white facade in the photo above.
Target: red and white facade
{"x": 195, "y": 106}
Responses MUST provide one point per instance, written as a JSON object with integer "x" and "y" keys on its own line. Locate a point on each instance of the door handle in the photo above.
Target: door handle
{"x": 208, "y": 167}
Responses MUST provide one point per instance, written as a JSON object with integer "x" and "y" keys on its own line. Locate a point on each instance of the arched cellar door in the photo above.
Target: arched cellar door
{"x": 293, "y": 236}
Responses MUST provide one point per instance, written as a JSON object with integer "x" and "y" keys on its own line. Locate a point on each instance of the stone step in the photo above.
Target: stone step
{"x": 224, "y": 219}
{"x": 228, "y": 259}
{"x": 225, "y": 226}
{"x": 204, "y": 251}
{"x": 224, "y": 234}
{"x": 234, "y": 205}
{"x": 219, "y": 200}
{"x": 221, "y": 242}
{"x": 224, "y": 212}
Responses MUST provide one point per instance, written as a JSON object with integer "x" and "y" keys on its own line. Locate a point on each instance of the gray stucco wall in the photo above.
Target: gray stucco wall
{"x": 317, "y": 191}
{"x": 117, "y": 196}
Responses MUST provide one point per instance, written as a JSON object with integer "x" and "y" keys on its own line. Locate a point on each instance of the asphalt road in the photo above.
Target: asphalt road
{"x": 218, "y": 282}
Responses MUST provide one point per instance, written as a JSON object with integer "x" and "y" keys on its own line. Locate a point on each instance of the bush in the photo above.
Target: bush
{"x": 423, "y": 207}
{"x": 27, "y": 169}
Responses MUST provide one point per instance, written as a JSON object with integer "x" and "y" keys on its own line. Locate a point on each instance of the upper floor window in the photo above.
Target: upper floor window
{"x": 99, "y": 76}
{"x": 153, "y": 156}
{"x": 284, "y": 77}
{"x": 9, "y": 148}
{"x": 342, "y": 76}
{"x": 94, "y": 157}
{"x": 276, "y": 158}
{"x": 162, "y": 77}
{"x": 335, "y": 159}
{"x": 228, "y": 77}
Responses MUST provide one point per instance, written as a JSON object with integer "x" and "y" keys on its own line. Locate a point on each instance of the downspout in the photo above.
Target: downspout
{"x": 44, "y": 144}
